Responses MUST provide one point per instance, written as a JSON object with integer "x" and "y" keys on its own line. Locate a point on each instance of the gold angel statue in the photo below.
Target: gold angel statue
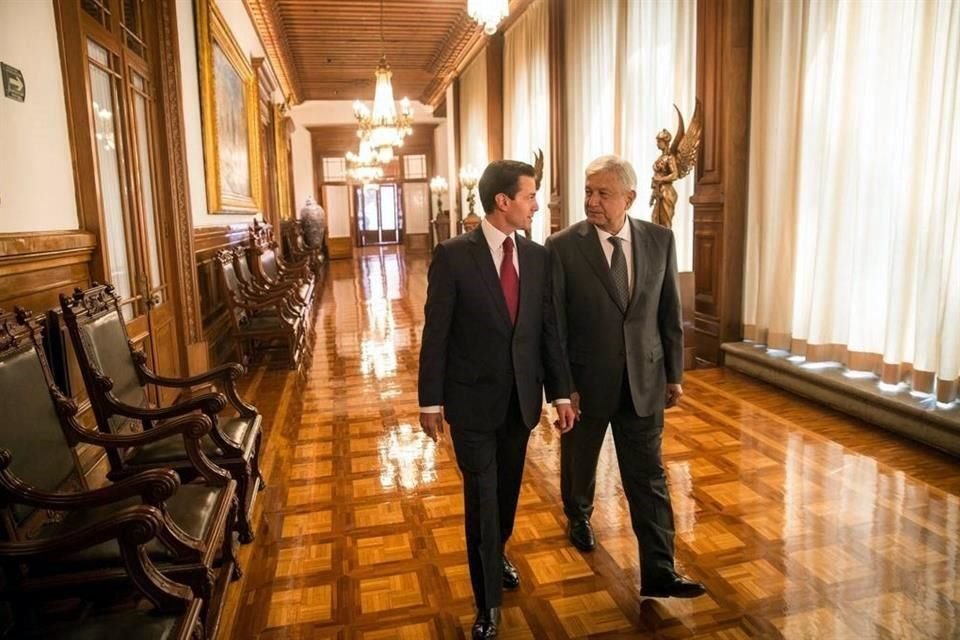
{"x": 675, "y": 161}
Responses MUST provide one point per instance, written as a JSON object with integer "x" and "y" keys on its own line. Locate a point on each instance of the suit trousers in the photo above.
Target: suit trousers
{"x": 492, "y": 465}
{"x": 637, "y": 441}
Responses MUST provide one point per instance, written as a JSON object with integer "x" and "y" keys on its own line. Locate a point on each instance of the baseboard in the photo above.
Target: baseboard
{"x": 898, "y": 411}
{"x": 339, "y": 248}
{"x": 417, "y": 242}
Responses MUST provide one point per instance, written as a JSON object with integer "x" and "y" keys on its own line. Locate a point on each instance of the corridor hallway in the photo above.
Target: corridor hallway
{"x": 803, "y": 523}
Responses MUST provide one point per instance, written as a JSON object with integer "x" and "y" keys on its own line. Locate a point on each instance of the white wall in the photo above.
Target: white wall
{"x": 243, "y": 31}
{"x": 37, "y": 190}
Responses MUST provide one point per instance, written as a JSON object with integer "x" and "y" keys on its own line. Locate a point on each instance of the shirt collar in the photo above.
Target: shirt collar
{"x": 624, "y": 233}
{"x": 494, "y": 236}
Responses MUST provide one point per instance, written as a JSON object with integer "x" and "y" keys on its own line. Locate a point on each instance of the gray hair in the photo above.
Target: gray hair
{"x": 620, "y": 167}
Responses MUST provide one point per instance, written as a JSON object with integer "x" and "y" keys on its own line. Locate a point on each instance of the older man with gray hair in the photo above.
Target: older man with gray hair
{"x": 618, "y": 304}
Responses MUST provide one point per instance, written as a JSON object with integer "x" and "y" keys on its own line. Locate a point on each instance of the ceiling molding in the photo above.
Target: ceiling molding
{"x": 273, "y": 36}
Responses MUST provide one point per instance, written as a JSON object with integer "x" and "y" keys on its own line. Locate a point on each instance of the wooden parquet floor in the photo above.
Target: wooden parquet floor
{"x": 803, "y": 523}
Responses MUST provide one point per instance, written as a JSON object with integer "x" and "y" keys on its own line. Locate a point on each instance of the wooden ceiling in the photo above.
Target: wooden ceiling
{"x": 329, "y": 49}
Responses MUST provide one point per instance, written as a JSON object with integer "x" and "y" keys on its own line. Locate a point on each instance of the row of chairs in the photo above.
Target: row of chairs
{"x": 184, "y": 482}
{"x": 269, "y": 299}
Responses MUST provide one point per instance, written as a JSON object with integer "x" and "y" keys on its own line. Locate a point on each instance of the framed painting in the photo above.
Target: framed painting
{"x": 229, "y": 104}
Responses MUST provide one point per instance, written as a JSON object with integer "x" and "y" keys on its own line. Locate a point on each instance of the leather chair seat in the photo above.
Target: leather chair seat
{"x": 129, "y": 625}
{"x": 243, "y": 431}
{"x": 192, "y": 507}
{"x": 268, "y": 323}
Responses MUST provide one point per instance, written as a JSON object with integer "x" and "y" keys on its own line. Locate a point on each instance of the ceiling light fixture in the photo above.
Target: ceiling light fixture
{"x": 384, "y": 127}
{"x": 488, "y": 13}
{"x": 364, "y": 166}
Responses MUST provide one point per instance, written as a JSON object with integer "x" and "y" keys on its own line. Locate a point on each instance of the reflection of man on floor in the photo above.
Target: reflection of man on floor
{"x": 489, "y": 344}
{"x": 615, "y": 290}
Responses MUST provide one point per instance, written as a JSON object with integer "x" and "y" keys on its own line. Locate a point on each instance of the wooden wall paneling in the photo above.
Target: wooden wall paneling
{"x": 494, "y": 53}
{"x": 177, "y": 216}
{"x": 558, "y": 138}
{"x": 213, "y": 308}
{"x": 724, "y": 45}
{"x": 36, "y": 267}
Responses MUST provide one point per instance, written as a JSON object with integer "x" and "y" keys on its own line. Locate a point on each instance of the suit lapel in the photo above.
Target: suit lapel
{"x": 589, "y": 243}
{"x": 490, "y": 277}
{"x": 527, "y": 274}
{"x": 640, "y": 255}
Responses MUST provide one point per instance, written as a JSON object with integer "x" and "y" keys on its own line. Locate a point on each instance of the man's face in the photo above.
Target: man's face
{"x": 518, "y": 212}
{"x": 606, "y": 201}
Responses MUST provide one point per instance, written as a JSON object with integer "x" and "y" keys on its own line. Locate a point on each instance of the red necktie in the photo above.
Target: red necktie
{"x": 509, "y": 281}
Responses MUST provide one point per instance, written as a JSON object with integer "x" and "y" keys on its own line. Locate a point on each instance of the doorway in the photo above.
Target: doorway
{"x": 379, "y": 214}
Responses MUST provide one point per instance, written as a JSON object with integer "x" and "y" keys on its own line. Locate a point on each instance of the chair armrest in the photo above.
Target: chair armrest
{"x": 136, "y": 524}
{"x": 228, "y": 373}
{"x": 153, "y": 486}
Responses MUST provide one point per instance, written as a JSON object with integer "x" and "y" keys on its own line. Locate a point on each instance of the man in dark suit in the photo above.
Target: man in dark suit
{"x": 489, "y": 344}
{"x": 615, "y": 290}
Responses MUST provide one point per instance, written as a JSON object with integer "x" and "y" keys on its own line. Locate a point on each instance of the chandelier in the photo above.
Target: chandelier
{"x": 489, "y": 13}
{"x": 383, "y": 127}
{"x": 364, "y": 166}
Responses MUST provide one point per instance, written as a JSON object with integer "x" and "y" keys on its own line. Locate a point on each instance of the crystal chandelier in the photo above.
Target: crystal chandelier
{"x": 489, "y": 13}
{"x": 384, "y": 128}
{"x": 364, "y": 166}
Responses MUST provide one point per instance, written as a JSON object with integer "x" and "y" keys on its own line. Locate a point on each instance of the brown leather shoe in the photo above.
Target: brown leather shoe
{"x": 511, "y": 579}
{"x": 486, "y": 623}
{"x": 672, "y": 587}
{"x": 581, "y": 535}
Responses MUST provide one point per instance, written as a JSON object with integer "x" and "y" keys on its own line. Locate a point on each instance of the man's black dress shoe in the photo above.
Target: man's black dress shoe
{"x": 511, "y": 579}
{"x": 672, "y": 587}
{"x": 581, "y": 535}
{"x": 485, "y": 626}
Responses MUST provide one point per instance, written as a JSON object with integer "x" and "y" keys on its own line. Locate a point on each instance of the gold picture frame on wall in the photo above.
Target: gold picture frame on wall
{"x": 229, "y": 113}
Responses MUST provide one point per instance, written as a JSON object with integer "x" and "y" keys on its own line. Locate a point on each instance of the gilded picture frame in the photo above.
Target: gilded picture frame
{"x": 229, "y": 114}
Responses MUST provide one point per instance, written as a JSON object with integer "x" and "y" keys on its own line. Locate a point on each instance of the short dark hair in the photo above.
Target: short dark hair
{"x": 502, "y": 176}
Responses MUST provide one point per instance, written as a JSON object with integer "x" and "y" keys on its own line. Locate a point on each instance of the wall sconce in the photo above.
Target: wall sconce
{"x": 438, "y": 186}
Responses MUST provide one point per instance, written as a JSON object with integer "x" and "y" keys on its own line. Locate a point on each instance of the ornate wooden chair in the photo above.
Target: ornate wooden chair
{"x": 270, "y": 268}
{"x": 176, "y": 612}
{"x": 296, "y": 246}
{"x": 116, "y": 376}
{"x": 254, "y": 288}
{"x": 42, "y": 496}
{"x": 262, "y": 323}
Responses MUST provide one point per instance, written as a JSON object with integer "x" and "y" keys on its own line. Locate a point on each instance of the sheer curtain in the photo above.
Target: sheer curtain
{"x": 526, "y": 100}
{"x": 853, "y": 241}
{"x": 473, "y": 123}
{"x": 627, "y": 65}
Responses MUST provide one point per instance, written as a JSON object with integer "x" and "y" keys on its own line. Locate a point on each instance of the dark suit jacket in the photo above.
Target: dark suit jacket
{"x": 471, "y": 356}
{"x": 600, "y": 337}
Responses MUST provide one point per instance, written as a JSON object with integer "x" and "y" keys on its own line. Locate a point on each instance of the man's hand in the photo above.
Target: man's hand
{"x": 575, "y": 403}
{"x": 566, "y": 417}
{"x": 673, "y": 393}
{"x": 432, "y": 425}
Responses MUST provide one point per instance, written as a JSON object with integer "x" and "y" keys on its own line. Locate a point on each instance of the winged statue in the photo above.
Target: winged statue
{"x": 675, "y": 161}
{"x": 538, "y": 166}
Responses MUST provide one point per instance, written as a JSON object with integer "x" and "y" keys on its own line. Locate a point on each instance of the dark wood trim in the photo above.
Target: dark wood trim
{"x": 558, "y": 130}
{"x": 494, "y": 53}
{"x": 340, "y": 247}
{"x": 213, "y": 305}
{"x": 724, "y": 44}
{"x": 183, "y": 268}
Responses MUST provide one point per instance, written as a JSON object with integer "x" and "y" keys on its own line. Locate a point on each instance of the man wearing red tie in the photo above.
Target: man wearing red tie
{"x": 490, "y": 345}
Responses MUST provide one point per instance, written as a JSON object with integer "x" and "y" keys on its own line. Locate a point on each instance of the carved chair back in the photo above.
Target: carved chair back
{"x": 30, "y": 430}
{"x": 103, "y": 348}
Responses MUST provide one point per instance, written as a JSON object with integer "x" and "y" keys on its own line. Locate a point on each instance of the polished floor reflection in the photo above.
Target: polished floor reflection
{"x": 802, "y": 523}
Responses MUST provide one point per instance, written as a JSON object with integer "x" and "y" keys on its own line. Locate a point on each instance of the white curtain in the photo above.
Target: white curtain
{"x": 627, "y": 65}
{"x": 853, "y": 241}
{"x": 473, "y": 123}
{"x": 526, "y": 100}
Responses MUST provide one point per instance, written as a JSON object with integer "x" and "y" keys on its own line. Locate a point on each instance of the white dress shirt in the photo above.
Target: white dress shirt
{"x": 627, "y": 245}
{"x": 495, "y": 238}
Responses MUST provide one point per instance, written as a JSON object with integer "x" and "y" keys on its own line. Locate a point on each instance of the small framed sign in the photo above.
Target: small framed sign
{"x": 13, "y": 85}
